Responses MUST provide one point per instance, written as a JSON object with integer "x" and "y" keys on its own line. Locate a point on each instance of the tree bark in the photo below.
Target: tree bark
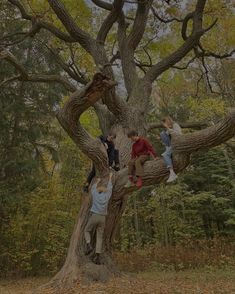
{"x": 116, "y": 114}
{"x": 79, "y": 267}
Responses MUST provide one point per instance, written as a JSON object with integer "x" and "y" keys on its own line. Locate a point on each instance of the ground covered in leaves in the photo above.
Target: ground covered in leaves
{"x": 150, "y": 282}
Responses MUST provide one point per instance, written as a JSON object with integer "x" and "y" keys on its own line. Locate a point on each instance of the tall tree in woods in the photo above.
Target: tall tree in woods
{"x": 132, "y": 26}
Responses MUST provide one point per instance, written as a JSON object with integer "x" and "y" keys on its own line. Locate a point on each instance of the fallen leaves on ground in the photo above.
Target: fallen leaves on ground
{"x": 187, "y": 282}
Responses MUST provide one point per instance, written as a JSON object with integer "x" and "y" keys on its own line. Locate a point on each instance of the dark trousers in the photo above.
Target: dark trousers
{"x": 113, "y": 158}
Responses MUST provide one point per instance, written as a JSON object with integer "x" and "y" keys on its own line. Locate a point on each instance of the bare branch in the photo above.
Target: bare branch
{"x": 126, "y": 55}
{"x": 20, "y": 6}
{"x": 37, "y": 24}
{"x": 106, "y": 117}
{"x": 69, "y": 116}
{"x": 139, "y": 25}
{"x": 47, "y": 78}
{"x": 184, "y": 49}
{"x": 110, "y": 20}
{"x": 162, "y": 19}
{"x": 68, "y": 68}
{"x": 197, "y": 85}
{"x": 185, "y": 25}
{"x": 211, "y": 26}
{"x": 84, "y": 39}
{"x": 206, "y": 73}
{"x": 187, "y": 65}
{"x": 186, "y": 125}
{"x": 9, "y": 80}
{"x": 208, "y": 53}
{"x": 27, "y": 77}
{"x": 103, "y": 4}
{"x": 173, "y": 58}
{"x": 91, "y": 46}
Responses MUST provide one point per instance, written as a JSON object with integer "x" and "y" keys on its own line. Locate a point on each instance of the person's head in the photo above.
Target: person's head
{"x": 111, "y": 137}
{"x": 102, "y": 188}
{"x": 167, "y": 121}
{"x": 133, "y": 135}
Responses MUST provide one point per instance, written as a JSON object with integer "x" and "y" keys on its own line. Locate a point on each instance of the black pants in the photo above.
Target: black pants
{"x": 113, "y": 158}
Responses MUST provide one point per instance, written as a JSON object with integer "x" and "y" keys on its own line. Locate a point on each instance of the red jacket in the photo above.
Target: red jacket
{"x": 142, "y": 147}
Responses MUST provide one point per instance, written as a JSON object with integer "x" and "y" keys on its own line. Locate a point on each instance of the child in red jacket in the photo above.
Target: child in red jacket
{"x": 141, "y": 152}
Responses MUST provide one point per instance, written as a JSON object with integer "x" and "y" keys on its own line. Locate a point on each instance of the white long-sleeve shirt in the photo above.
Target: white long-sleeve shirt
{"x": 176, "y": 129}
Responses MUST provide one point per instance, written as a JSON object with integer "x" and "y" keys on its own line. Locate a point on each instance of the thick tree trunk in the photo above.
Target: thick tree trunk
{"x": 115, "y": 113}
{"x": 79, "y": 267}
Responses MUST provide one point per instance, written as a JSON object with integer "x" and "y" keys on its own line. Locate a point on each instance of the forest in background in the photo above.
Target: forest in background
{"x": 42, "y": 172}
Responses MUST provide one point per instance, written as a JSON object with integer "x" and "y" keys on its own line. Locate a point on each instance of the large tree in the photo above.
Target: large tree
{"x": 114, "y": 112}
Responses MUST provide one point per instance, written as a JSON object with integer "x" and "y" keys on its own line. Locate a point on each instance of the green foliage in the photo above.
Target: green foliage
{"x": 199, "y": 205}
{"x": 42, "y": 171}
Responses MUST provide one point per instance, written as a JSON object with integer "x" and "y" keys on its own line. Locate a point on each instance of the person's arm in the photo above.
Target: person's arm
{"x": 110, "y": 184}
{"x": 175, "y": 130}
{"x": 102, "y": 138}
{"x": 150, "y": 148}
{"x": 94, "y": 186}
{"x": 103, "y": 141}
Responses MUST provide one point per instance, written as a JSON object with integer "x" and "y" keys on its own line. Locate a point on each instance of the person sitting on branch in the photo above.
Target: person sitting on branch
{"x": 171, "y": 128}
{"x": 141, "y": 152}
{"x": 113, "y": 157}
{"x": 100, "y": 199}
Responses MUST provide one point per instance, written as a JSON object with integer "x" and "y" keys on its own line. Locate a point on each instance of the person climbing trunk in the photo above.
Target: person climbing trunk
{"x": 100, "y": 198}
{"x": 113, "y": 158}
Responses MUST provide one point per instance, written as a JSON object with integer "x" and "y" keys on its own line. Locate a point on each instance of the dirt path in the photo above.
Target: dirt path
{"x": 185, "y": 282}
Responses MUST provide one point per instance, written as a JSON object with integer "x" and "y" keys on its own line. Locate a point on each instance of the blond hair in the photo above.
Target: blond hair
{"x": 102, "y": 189}
{"x": 168, "y": 120}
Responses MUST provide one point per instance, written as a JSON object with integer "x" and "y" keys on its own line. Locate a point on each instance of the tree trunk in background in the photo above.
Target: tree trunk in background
{"x": 138, "y": 240}
{"x": 164, "y": 221}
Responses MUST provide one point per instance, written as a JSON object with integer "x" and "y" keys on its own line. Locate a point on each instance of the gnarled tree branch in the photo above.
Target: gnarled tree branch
{"x": 103, "y": 4}
{"x": 183, "y": 50}
{"x": 186, "y": 125}
{"x": 37, "y": 24}
{"x": 126, "y": 55}
{"x": 183, "y": 146}
{"x": 69, "y": 116}
{"x": 84, "y": 39}
{"x": 139, "y": 25}
{"x": 110, "y": 20}
{"x": 206, "y": 138}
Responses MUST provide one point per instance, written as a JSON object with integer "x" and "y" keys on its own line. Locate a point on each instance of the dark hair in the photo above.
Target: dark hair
{"x": 112, "y": 134}
{"x": 132, "y": 133}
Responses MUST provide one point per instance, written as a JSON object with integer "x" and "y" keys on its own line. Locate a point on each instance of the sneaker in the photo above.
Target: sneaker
{"x": 129, "y": 184}
{"x": 139, "y": 182}
{"x": 96, "y": 259}
{"x": 88, "y": 249}
{"x": 173, "y": 176}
